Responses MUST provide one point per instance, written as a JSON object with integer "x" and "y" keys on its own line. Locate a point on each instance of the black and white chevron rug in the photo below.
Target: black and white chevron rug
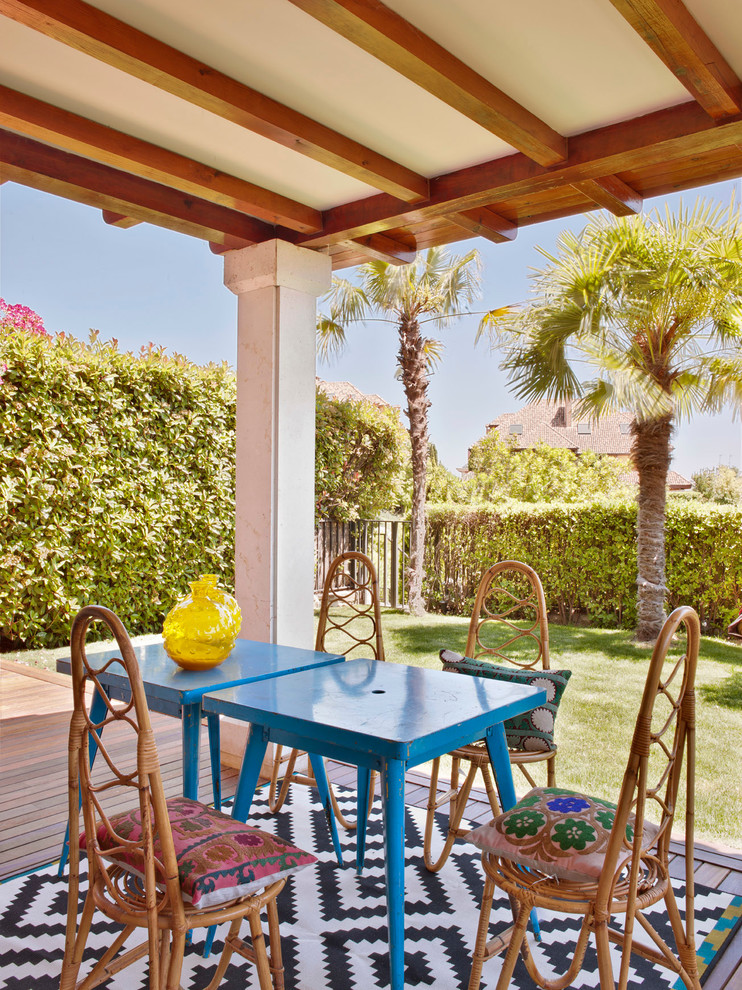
{"x": 333, "y": 924}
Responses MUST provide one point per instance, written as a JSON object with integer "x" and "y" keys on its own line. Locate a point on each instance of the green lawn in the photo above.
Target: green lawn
{"x": 599, "y": 708}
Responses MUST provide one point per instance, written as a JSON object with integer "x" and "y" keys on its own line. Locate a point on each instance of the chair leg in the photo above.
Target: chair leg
{"x": 76, "y": 936}
{"x": 605, "y": 966}
{"x": 516, "y": 940}
{"x": 480, "y": 945}
{"x": 457, "y": 796}
{"x": 684, "y": 937}
{"x": 228, "y": 950}
{"x": 551, "y": 771}
{"x": 261, "y": 954}
{"x": 276, "y": 795}
{"x": 274, "y": 940}
{"x": 489, "y": 787}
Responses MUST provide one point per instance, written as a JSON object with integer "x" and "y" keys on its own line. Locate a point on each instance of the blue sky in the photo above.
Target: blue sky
{"x": 147, "y": 284}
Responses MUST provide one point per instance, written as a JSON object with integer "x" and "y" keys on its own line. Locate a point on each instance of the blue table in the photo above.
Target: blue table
{"x": 378, "y": 716}
{"x": 173, "y": 691}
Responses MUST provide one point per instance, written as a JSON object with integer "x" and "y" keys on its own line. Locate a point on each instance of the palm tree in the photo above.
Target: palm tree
{"x": 435, "y": 287}
{"x": 653, "y": 305}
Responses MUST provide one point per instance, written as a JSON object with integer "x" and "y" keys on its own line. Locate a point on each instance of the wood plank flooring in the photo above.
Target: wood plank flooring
{"x": 35, "y": 708}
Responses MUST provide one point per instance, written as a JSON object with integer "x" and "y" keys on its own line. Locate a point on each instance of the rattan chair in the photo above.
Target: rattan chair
{"x": 164, "y": 866}
{"x": 349, "y": 623}
{"x": 619, "y": 866}
{"x": 508, "y": 625}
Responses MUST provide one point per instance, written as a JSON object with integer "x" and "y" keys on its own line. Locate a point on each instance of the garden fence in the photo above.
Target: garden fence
{"x": 385, "y": 541}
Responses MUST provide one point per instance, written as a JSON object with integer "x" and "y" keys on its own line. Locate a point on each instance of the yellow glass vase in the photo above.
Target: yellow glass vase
{"x": 200, "y": 631}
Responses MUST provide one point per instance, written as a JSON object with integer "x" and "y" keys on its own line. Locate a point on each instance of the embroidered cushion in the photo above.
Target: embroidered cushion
{"x": 532, "y": 731}
{"x": 560, "y": 833}
{"x": 219, "y": 858}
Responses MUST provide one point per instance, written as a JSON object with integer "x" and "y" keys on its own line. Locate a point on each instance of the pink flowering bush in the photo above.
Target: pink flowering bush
{"x": 20, "y": 317}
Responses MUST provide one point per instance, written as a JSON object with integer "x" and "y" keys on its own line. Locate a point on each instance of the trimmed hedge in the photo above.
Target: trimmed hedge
{"x": 116, "y": 483}
{"x": 585, "y": 555}
{"x": 117, "y": 479}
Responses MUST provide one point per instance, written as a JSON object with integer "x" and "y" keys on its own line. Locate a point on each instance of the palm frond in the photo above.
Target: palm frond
{"x": 330, "y": 338}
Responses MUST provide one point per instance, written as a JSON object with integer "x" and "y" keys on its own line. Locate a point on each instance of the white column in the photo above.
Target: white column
{"x": 277, "y": 285}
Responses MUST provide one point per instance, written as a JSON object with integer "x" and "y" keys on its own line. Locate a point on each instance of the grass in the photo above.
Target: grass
{"x": 598, "y": 710}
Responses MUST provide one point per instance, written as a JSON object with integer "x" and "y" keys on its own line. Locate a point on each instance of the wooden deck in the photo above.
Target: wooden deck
{"x": 35, "y": 707}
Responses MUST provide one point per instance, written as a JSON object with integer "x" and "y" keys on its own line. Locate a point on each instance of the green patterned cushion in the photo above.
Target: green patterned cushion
{"x": 560, "y": 833}
{"x": 533, "y": 731}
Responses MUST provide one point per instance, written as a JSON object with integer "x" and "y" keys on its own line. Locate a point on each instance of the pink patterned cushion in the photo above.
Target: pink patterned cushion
{"x": 219, "y": 858}
{"x": 560, "y": 833}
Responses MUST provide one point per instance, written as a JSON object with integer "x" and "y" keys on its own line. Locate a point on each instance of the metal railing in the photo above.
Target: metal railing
{"x": 385, "y": 541}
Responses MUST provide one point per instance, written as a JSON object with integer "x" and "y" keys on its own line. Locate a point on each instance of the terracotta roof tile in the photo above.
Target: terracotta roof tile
{"x": 554, "y": 423}
{"x": 347, "y": 392}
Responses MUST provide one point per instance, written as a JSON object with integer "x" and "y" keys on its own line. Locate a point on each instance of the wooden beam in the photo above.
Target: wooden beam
{"x": 37, "y": 119}
{"x": 96, "y": 33}
{"x": 676, "y": 37}
{"x": 486, "y": 223}
{"x": 387, "y": 36}
{"x": 612, "y": 194}
{"x": 119, "y": 220}
{"x": 383, "y": 247}
{"x": 662, "y": 136}
{"x": 42, "y": 167}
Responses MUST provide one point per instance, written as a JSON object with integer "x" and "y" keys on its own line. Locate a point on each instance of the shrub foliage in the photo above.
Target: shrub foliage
{"x": 359, "y": 455}
{"x": 116, "y": 483}
{"x": 117, "y": 479}
{"x": 585, "y": 554}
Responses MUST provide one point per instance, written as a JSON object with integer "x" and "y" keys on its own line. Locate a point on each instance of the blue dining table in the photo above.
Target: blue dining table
{"x": 377, "y": 716}
{"x": 170, "y": 690}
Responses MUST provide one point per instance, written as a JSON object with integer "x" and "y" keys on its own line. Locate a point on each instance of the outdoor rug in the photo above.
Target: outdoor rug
{"x": 333, "y": 924}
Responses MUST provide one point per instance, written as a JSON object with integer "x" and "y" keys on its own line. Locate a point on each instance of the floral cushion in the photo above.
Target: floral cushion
{"x": 560, "y": 833}
{"x": 532, "y": 731}
{"x": 219, "y": 858}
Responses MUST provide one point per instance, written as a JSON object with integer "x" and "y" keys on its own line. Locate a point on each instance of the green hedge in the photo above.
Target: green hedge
{"x": 585, "y": 555}
{"x": 360, "y": 453}
{"x": 117, "y": 479}
{"x": 116, "y": 483}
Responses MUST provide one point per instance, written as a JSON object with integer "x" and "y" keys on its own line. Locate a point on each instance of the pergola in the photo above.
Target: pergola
{"x": 299, "y": 137}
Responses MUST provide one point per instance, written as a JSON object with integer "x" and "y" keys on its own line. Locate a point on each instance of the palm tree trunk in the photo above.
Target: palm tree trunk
{"x": 651, "y": 454}
{"x": 413, "y": 363}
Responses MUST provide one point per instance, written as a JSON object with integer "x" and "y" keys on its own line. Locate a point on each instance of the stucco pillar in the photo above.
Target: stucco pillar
{"x": 277, "y": 285}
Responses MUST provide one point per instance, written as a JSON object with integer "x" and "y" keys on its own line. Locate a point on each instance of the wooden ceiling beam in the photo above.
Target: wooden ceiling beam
{"x": 485, "y": 223}
{"x": 43, "y": 167}
{"x": 380, "y": 31}
{"x": 66, "y": 130}
{"x": 612, "y": 194}
{"x": 658, "y": 137}
{"x": 676, "y": 37}
{"x": 119, "y": 220}
{"x": 383, "y": 247}
{"x": 98, "y": 34}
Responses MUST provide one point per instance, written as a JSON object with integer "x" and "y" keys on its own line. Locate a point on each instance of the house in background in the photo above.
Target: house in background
{"x": 554, "y": 424}
{"x": 347, "y": 392}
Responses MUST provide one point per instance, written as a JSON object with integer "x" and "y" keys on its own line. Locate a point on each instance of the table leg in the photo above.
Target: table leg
{"x": 212, "y": 720}
{"x": 364, "y": 788}
{"x": 98, "y": 711}
{"x": 191, "y": 733}
{"x": 323, "y": 789}
{"x": 392, "y": 806}
{"x": 257, "y": 743}
{"x": 497, "y": 748}
{"x": 252, "y": 761}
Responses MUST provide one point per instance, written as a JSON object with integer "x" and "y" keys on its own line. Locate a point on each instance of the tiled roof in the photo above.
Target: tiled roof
{"x": 676, "y": 482}
{"x": 553, "y": 423}
{"x": 347, "y": 392}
